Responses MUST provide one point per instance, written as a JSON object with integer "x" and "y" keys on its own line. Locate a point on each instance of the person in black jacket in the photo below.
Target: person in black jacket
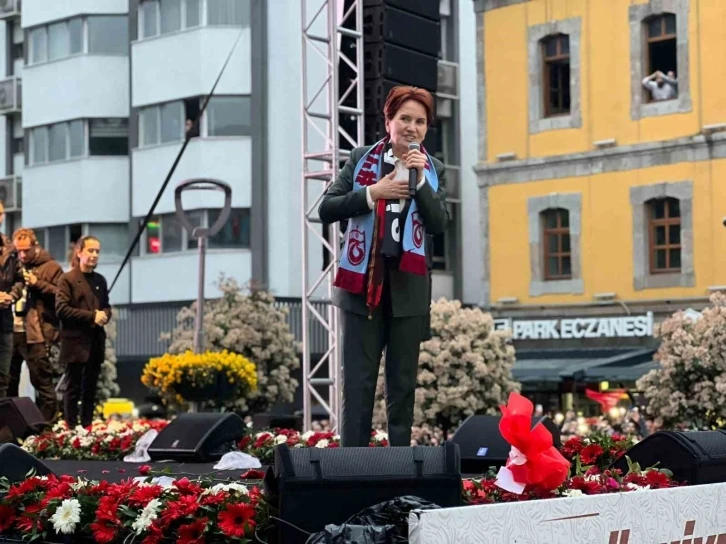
{"x": 383, "y": 282}
{"x": 11, "y": 288}
{"x": 83, "y": 308}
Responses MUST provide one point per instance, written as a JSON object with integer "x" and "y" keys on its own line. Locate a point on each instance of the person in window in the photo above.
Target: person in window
{"x": 83, "y": 308}
{"x": 191, "y": 129}
{"x": 383, "y": 282}
{"x": 35, "y": 327}
{"x": 661, "y": 86}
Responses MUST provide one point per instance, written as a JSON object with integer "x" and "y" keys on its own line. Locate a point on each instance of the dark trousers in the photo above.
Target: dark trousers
{"x": 363, "y": 343}
{"x": 6, "y": 354}
{"x": 82, "y": 384}
{"x": 41, "y": 374}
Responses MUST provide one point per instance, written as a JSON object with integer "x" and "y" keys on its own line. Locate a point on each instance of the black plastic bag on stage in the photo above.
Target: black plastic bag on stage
{"x": 354, "y": 534}
{"x": 387, "y": 520}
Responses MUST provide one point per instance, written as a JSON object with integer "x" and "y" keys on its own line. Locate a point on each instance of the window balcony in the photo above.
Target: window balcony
{"x": 84, "y": 190}
{"x": 10, "y": 95}
{"x": 9, "y": 9}
{"x": 226, "y": 158}
{"x": 10, "y": 193}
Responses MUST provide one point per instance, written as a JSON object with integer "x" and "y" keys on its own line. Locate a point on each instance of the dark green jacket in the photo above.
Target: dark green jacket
{"x": 410, "y": 293}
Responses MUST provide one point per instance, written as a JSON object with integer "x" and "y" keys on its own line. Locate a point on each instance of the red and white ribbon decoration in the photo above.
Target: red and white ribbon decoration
{"x": 533, "y": 460}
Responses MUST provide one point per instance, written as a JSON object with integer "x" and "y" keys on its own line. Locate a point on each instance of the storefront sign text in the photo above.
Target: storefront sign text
{"x": 580, "y": 327}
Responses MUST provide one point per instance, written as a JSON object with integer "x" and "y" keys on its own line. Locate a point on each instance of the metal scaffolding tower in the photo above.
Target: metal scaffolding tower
{"x": 332, "y": 102}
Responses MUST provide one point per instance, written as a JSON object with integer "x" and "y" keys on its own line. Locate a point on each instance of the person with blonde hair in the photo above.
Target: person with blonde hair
{"x": 35, "y": 324}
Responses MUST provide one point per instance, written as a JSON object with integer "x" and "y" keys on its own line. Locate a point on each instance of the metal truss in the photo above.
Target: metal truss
{"x": 332, "y": 108}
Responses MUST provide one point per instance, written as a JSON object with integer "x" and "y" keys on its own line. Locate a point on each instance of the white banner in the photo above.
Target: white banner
{"x": 685, "y": 515}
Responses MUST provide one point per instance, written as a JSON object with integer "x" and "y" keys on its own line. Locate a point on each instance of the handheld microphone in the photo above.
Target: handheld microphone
{"x": 413, "y": 173}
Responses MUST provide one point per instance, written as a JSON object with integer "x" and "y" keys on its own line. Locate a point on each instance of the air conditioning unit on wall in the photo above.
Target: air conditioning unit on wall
{"x": 9, "y": 8}
{"x": 8, "y": 192}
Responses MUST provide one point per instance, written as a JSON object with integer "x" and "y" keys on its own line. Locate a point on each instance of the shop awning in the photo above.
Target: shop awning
{"x": 584, "y": 364}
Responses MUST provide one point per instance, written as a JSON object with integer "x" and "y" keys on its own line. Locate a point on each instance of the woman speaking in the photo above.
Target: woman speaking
{"x": 383, "y": 283}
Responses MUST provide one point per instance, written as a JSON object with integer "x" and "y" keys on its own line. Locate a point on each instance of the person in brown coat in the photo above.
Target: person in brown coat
{"x": 82, "y": 306}
{"x": 35, "y": 327}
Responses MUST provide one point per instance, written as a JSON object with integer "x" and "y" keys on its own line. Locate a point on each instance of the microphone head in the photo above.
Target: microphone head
{"x": 414, "y": 145}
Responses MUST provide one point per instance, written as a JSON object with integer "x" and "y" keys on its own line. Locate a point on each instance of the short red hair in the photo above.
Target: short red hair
{"x": 401, "y": 93}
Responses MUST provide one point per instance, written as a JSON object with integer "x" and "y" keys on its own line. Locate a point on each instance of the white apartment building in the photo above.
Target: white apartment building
{"x": 95, "y": 101}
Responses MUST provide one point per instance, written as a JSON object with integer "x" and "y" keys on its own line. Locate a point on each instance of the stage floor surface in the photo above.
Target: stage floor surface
{"x": 115, "y": 471}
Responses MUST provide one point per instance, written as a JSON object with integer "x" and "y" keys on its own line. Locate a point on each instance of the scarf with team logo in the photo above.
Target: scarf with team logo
{"x": 361, "y": 266}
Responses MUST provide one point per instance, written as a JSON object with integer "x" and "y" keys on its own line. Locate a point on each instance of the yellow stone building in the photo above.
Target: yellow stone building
{"x": 602, "y": 176}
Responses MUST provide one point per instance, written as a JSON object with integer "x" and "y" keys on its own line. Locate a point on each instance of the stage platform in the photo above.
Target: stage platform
{"x": 115, "y": 471}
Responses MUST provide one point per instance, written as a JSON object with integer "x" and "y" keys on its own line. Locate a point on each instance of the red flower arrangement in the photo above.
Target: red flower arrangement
{"x": 185, "y": 512}
{"x": 593, "y": 482}
{"x": 598, "y": 450}
{"x": 101, "y": 441}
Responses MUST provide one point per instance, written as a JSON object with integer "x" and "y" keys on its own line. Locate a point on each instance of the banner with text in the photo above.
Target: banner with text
{"x": 684, "y": 515}
{"x": 630, "y": 326}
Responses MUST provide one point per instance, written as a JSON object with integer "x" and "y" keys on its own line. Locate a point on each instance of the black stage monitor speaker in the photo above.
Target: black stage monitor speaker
{"x": 482, "y": 445}
{"x": 276, "y": 421}
{"x": 384, "y": 23}
{"x": 408, "y": 67}
{"x": 199, "y": 438}
{"x": 16, "y": 463}
{"x": 316, "y": 487}
{"x": 695, "y": 457}
{"x": 424, "y": 8}
{"x": 19, "y": 418}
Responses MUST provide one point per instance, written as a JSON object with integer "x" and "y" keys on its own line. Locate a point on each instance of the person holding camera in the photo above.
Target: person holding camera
{"x": 35, "y": 325}
{"x": 84, "y": 310}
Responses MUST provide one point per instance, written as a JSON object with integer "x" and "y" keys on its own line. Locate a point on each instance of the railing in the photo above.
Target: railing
{"x": 9, "y": 8}
{"x": 11, "y": 94}
{"x": 140, "y": 327}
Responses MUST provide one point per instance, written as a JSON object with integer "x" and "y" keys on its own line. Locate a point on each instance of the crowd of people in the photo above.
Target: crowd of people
{"x": 46, "y": 313}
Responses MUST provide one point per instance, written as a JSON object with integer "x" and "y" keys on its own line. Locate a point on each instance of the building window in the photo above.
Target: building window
{"x": 228, "y": 12}
{"x": 228, "y": 116}
{"x": 659, "y": 58}
{"x": 554, "y": 240}
{"x": 108, "y": 35}
{"x": 67, "y": 140}
{"x": 166, "y": 234}
{"x": 99, "y": 35}
{"x": 664, "y": 217}
{"x": 236, "y": 231}
{"x": 38, "y": 45}
{"x": 556, "y": 64}
{"x": 113, "y": 238}
{"x": 554, "y": 75}
{"x": 39, "y": 145}
{"x": 556, "y": 243}
{"x": 157, "y": 17}
{"x": 663, "y": 235}
{"x": 77, "y": 137}
{"x": 108, "y": 137}
{"x": 225, "y": 116}
{"x": 59, "y": 240}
